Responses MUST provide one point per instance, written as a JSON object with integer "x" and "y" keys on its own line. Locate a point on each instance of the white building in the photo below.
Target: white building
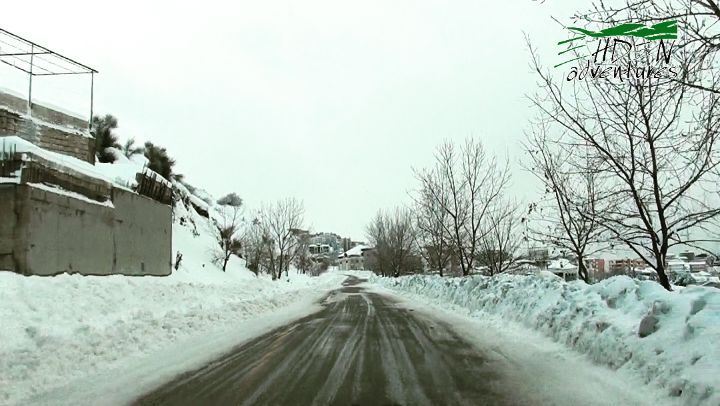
{"x": 354, "y": 258}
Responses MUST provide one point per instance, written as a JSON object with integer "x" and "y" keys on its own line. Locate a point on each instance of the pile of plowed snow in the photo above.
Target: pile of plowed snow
{"x": 669, "y": 338}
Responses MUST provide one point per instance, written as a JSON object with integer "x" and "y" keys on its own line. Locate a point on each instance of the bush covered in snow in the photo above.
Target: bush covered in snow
{"x": 669, "y": 338}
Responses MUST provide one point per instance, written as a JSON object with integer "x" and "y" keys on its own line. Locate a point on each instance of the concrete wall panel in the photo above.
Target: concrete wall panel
{"x": 7, "y": 225}
{"x": 143, "y": 234}
{"x": 55, "y": 233}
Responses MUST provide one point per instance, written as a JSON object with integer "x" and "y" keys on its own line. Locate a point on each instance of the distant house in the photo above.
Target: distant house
{"x": 354, "y": 258}
{"x": 677, "y": 267}
{"x": 323, "y": 246}
{"x": 625, "y": 266}
{"x": 319, "y": 249}
{"x": 688, "y": 263}
{"x": 539, "y": 256}
{"x": 596, "y": 268}
{"x": 564, "y": 269}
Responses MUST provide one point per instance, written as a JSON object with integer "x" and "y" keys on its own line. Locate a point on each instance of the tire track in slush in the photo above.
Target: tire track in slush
{"x": 361, "y": 349}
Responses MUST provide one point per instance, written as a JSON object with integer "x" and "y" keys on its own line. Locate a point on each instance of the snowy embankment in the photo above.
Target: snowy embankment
{"x": 70, "y": 338}
{"x": 669, "y": 339}
{"x": 69, "y": 327}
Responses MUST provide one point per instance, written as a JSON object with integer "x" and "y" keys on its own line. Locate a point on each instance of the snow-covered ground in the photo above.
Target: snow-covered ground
{"x": 668, "y": 340}
{"x": 69, "y": 327}
{"x": 70, "y": 338}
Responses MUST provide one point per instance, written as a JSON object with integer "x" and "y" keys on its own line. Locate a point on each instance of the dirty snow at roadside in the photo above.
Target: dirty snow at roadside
{"x": 667, "y": 339}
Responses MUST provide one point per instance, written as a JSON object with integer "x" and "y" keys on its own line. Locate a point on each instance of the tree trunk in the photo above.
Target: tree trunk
{"x": 662, "y": 276}
{"x": 280, "y": 267}
{"x": 465, "y": 271}
{"x": 582, "y": 270}
{"x": 227, "y": 258}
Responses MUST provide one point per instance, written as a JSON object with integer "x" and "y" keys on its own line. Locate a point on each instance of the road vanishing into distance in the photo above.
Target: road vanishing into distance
{"x": 369, "y": 348}
{"x": 361, "y": 349}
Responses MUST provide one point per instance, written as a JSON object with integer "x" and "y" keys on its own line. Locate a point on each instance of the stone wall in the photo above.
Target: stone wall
{"x": 77, "y": 146}
{"x": 45, "y": 233}
{"x": 55, "y": 117}
{"x": 9, "y": 122}
{"x": 48, "y": 128}
{"x": 14, "y": 103}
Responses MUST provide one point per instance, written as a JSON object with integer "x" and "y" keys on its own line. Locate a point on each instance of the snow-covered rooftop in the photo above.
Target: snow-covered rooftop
{"x": 561, "y": 265}
{"x": 356, "y": 251}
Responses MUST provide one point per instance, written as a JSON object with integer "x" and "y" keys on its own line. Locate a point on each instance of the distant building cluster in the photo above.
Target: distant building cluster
{"x": 323, "y": 244}
{"x": 338, "y": 251}
{"x": 686, "y": 267}
{"x": 695, "y": 268}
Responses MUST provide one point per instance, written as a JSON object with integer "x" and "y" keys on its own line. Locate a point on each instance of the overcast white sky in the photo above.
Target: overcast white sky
{"x": 329, "y": 101}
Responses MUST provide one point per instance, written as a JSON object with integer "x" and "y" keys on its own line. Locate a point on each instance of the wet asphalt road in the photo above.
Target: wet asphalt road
{"x": 361, "y": 349}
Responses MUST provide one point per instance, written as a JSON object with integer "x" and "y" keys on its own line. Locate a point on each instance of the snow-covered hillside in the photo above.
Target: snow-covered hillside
{"x": 59, "y": 332}
{"x": 670, "y": 339}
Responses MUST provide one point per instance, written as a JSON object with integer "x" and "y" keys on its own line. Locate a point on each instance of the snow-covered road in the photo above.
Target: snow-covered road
{"x": 368, "y": 346}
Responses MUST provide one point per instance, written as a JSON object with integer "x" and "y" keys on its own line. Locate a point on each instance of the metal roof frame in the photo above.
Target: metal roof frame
{"x": 37, "y": 60}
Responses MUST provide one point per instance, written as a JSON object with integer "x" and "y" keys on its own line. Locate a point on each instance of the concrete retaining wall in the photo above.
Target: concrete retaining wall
{"x": 8, "y": 219}
{"x": 142, "y": 235}
{"x": 44, "y": 233}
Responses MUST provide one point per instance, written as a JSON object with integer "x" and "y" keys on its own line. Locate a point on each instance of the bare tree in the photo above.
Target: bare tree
{"x": 653, "y": 142}
{"x": 502, "y": 238}
{"x": 377, "y": 232}
{"x": 393, "y": 236}
{"x": 255, "y": 246}
{"x": 474, "y": 182}
{"x": 432, "y": 223}
{"x": 567, "y": 214}
{"x": 303, "y": 261}
{"x": 282, "y": 222}
{"x": 229, "y": 225}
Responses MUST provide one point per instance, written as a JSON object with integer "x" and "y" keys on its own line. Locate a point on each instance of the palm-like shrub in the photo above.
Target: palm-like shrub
{"x": 158, "y": 160}
{"x": 102, "y": 130}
